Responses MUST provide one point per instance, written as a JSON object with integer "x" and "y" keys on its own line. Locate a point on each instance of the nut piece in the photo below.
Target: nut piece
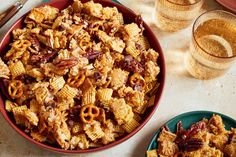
{"x": 62, "y": 64}
{"x": 191, "y": 144}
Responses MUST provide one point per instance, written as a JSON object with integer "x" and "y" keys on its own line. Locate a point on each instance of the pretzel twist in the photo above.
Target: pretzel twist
{"x": 88, "y": 113}
{"x": 21, "y": 45}
{"x": 15, "y": 89}
{"x": 137, "y": 79}
{"x": 76, "y": 81}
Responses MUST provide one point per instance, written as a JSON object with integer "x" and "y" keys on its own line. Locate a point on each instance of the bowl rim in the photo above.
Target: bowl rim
{"x": 161, "y": 59}
{"x": 186, "y": 114}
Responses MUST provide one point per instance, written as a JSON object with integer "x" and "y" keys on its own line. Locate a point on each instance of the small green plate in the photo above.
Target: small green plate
{"x": 188, "y": 119}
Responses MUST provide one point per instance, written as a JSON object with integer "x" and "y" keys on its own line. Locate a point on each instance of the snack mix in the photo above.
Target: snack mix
{"x": 80, "y": 77}
{"x": 207, "y": 138}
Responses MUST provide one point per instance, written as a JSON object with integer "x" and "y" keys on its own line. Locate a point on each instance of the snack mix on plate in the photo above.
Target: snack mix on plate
{"x": 207, "y": 138}
{"x": 79, "y": 78}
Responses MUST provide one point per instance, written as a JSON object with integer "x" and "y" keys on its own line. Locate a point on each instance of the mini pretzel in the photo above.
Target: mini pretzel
{"x": 15, "y": 89}
{"x": 88, "y": 113}
{"x": 21, "y": 45}
{"x": 136, "y": 79}
{"x": 76, "y": 81}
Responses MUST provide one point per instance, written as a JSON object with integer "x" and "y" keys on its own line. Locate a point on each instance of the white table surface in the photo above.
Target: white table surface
{"x": 182, "y": 93}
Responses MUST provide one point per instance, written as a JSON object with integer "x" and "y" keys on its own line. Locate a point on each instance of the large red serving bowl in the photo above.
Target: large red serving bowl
{"x": 129, "y": 16}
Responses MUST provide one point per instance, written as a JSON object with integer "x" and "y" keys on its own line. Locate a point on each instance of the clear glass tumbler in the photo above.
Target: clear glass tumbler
{"x": 213, "y": 45}
{"x": 174, "y": 15}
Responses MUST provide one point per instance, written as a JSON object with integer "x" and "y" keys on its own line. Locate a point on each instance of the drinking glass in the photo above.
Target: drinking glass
{"x": 174, "y": 15}
{"x": 213, "y": 45}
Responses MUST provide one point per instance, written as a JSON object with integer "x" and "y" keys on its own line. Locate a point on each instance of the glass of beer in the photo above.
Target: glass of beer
{"x": 174, "y": 15}
{"x": 213, "y": 45}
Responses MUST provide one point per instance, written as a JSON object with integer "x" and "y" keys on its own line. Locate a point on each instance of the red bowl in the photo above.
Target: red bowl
{"x": 229, "y": 4}
{"x": 129, "y": 16}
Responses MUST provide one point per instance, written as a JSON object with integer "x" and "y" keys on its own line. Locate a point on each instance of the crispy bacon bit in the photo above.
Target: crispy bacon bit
{"x": 97, "y": 76}
{"x": 132, "y": 65}
{"x": 44, "y": 57}
{"x": 4, "y": 83}
{"x": 92, "y": 55}
{"x": 26, "y": 78}
{"x": 191, "y": 144}
{"x": 74, "y": 113}
{"x": 139, "y": 21}
{"x": 62, "y": 64}
{"x": 35, "y": 44}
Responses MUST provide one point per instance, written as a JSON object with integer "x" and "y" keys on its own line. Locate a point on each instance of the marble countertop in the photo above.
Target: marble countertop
{"x": 182, "y": 93}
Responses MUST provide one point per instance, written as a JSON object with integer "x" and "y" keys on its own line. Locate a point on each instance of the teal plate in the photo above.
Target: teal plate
{"x": 188, "y": 119}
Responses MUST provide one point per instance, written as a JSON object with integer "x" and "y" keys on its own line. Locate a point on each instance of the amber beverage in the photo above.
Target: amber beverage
{"x": 213, "y": 45}
{"x": 174, "y": 15}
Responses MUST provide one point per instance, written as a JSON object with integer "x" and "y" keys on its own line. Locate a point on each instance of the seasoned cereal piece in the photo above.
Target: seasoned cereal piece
{"x": 152, "y": 153}
{"x": 37, "y": 136}
{"x": 77, "y": 6}
{"x": 34, "y": 106}
{"x": 31, "y": 117}
{"x": 18, "y": 113}
{"x": 77, "y": 128}
{"x": 89, "y": 96}
{"x": 109, "y": 132}
{"x": 206, "y": 151}
{"x": 79, "y": 141}
{"x": 10, "y": 105}
{"x": 166, "y": 136}
{"x": 116, "y": 44}
{"x": 104, "y": 94}
{"x": 67, "y": 92}
{"x": 151, "y": 71}
{"x": 132, "y": 30}
{"x": 216, "y": 124}
{"x": 36, "y": 73}
{"x": 143, "y": 42}
{"x": 137, "y": 117}
{"x": 204, "y": 135}
{"x": 94, "y": 131}
{"x": 60, "y": 128}
{"x": 109, "y": 13}
{"x": 4, "y": 70}
{"x": 219, "y": 141}
{"x": 94, "y": 9}
{"x": 123, "y": 112}
{"x": 135, "y": 98}
{"x": 104, "y": 63}
{"x": 57, "y": 83}
{"x": 42, "y": 93}
{"x": 167, "y": 148}
{"x": 151, "y": 54}
{"x": 35, "y": 15}
{"x": 17, "y": 69}
{"x": 132, "y": 50}
{"x": 230, "y": 149}
{"x": 140, "y": 109}
{"x": 49, "y": 12}
{"x": 130, "y": 126}
{"x": 118, "y": 78}
{"x": 62, "y": 135}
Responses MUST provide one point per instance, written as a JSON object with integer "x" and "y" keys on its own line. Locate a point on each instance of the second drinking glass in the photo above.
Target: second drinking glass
{"x": 174, "y": 15}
